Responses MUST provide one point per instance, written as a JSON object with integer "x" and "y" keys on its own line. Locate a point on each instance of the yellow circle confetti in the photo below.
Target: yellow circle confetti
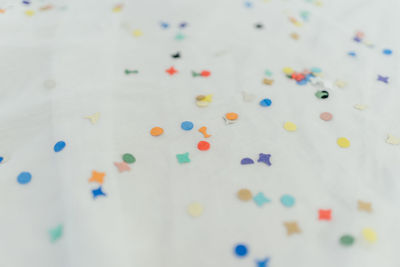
{"x": 369, "y": 235}
{"x": 195, "y": 209}
{"x": 343, "y": 142}
{"x": 290, "y": 126}
{"x": 288, "y": 70}
{"x": 30, "y": 13}
{"x": 137, "y": 33}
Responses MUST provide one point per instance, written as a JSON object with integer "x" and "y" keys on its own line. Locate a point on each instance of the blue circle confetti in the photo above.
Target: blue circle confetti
{"x": 1, "y": 159}
{"x": 24, "y": 177}
{"x": 59, "y": 146}
{"x": 287, "y": 200}
{"x": 352, "y": 53}
{"x": 187, "y": 125}
{"x": 387, "y": 51}
{"x": 241, "y": 250}
{"x": 265, "y": 102}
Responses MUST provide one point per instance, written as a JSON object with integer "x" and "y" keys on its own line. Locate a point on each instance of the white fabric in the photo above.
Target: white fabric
{"x": 85, "y": 47}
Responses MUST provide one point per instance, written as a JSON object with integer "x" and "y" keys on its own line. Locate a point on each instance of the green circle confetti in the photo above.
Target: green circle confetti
{"x": 347, "y": 240}
{"x": 128, "y": 158}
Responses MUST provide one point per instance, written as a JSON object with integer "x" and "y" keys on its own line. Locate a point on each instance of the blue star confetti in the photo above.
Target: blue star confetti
{"x": 98, "y": 192}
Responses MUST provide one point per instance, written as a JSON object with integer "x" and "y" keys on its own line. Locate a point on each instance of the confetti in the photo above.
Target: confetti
{"x": 324, "y": 215}
{"x": 369, "y": 235}
{"x": 383, "y": 79}
{"x": 352, "y": 54}
{"x": 183, "y": 158}
{"x": 392, "y": 140}
{"x": 176, "y": 55}
{"x": 98, "y": 192}
{"x": 387, "y": 51}
{"x": 164, "y": 25}
{"x": 265, "y": 158}
{"x": 266, "y": 102}
{"x": 260, "y": 199}
{"x": 322, "y": 94}
{"x": 292, "y": 228}
{"x": 60, "y": 145}
{"x": 262, "y": 263}
{"x": 346, "y": 240}
{"x": 290, "y": 126}
{"x": 24, "y": 178}
{"x": 244, "y": 194}
{"x": 137, "y": 33}
{"x": 343, "y": 142}
{"x": 294, "y": 36}
{"x": 187, "y": 125}
{"x": 204, "y": 73}
{"x": 240, "y": 250}
{"x": 179, "y": 36}
{"x": 246, "y": 161}
{"x": 56, "y": 233}
{"x": 93, "y": 118}
{"x": 127, "y": 72}
{"x": 340, "y": 84}
{"x": 122, "y": 166}
{"x": 203, "y": 130}
{"x": 156, "y": 131}
{"x": 268, "y": 81}
{"x": 287, "y": 201}
{"x": 171, "y": 71}
{"x": 117, "y": 8}
{"x": 360, "y": 107}
{"x": 128, "y": 158}
{"x": 203, "y": 145}
{"x": 259, "y": 26}
{"x": 364, "y": 206}
{"x": 30, "y": 13}
{"x": 326, "y": 116}
{"x": 195, "y": 209}
{"x": 97, "y": 177}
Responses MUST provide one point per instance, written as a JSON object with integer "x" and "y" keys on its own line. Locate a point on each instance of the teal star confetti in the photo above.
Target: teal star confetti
{"x": 268, "y": 73}
{"x": 260, "y": 199}
{"x": 56, "y": 233}
{"x": 180, "y": 36}
{"x": 183, "y": 158}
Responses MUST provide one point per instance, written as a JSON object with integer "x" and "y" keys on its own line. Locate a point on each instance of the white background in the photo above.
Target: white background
{"x": 84, "y": 47}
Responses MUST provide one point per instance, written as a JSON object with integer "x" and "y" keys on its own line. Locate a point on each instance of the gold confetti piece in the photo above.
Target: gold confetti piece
{"x": 93, "y": 118}
{"x": 288, "y": 70}
{"x": 369, "y": 235}
{"x": 360, "y": 107}
{"x": 292, "y": 228}
{"x": 244, "y": 194}
{"x": 118, "y": 8}
{"x": 30, "y": 13}
{"x": 364, "y": 206}
{"x": 268, "y": 81}
{"x": 392, "y": 140}
{"x": 137, "y": 33}
{"x": 195, "y": 209}
{"x": 294, "y": 36}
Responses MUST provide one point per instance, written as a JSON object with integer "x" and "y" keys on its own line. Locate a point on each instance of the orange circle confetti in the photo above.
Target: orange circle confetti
{"x": 231, "y": 116}
{"x": 156, "y": 131}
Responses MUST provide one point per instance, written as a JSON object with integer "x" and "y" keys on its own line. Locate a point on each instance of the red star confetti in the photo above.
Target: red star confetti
{"x": 171, "y": 71}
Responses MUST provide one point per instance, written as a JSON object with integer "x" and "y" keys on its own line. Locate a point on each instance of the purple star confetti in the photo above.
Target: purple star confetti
{"x": 383, "y": 79}
{"x": 265, "y": 158}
